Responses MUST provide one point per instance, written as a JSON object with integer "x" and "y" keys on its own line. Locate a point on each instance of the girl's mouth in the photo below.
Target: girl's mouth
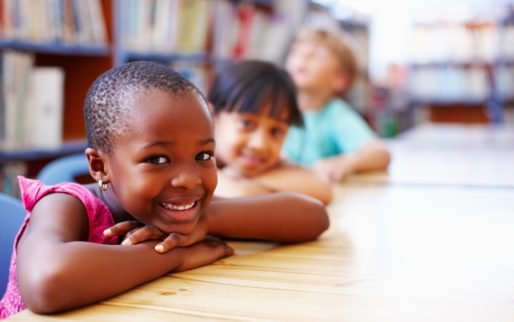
{"x": 181, "y": 212}
{"x": 177, "y": 206}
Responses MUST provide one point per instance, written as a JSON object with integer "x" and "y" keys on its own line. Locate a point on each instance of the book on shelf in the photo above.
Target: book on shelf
{"x": 504, "y": 80}
{"x": 66, "y": 21}
{"x": 15, "y": 76}
{"x": 507, "y": 43}
{"x": 165, "y": 26}
{"x": 454, "y": 43}
{"x": 224, "y": 28}
{"x": 193, "y": 26}
{"x": 449, "y": 84}
{"x": 32, "y": 105}
{"x": 248, "y": 32}
{"x": 46, "y": 107}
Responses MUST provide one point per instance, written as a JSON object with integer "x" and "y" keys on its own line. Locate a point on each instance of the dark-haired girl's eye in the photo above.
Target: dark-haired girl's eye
{"x": 247, "y": 124}
{"x": 204, "y": 156}
{"x": 278, "y": 132}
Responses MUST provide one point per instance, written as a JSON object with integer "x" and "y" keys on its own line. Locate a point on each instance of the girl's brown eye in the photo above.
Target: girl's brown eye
{"x": 157, "y": 160}
{"x": 204, "y": 156}
{"x": 277, "y": 132}
{"x": 247, "y": 124}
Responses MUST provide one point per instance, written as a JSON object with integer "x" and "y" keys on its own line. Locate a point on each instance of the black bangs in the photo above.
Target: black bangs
{"x": 248, "y": 85}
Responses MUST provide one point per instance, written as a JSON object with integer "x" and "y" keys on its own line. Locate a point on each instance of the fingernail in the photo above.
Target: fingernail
{"x": 126, "y": 242}
{"x": 159, "y": 248}
{"x": 107, "y": 232}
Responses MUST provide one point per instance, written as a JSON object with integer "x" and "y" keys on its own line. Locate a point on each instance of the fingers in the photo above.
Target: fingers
{"x": 173, "y": 240}
{"x": 142, "y": 234}
{"x": 176, "y": 239}
{"x": 205, "y": 252}
{"x": 219, "y": 245}
{"x": 121, "y": 228}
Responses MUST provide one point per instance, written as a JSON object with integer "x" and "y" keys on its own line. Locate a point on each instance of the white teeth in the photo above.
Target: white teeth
{"x": 171, "y": 206}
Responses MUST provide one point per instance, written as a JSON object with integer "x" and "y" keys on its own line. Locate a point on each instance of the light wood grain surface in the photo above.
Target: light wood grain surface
{"x": 450, "y": 155}
{"x": 394, "y": 252}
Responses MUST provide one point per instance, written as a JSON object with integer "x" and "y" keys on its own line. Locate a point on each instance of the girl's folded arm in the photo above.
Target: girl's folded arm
{"x": 280, "y": 216}
{"x": 289, "y": 177}
{"x": 57, "y": 270}
{"x": 229, "y": 186}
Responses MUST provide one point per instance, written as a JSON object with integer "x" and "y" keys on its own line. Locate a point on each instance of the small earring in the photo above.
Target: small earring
{"x": 102, "y": 185}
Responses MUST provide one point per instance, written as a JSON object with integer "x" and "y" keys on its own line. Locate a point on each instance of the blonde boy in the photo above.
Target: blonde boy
{"x": 335, "y": 140}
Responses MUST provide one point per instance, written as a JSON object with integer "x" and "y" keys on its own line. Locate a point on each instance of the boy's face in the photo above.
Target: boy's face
{"x": 162, "y": 171}
{"x": 314, "y": 66}
{"x": 250, "y": 143}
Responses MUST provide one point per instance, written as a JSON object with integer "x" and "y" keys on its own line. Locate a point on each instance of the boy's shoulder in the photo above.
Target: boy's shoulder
{"x": 337, "y": 107}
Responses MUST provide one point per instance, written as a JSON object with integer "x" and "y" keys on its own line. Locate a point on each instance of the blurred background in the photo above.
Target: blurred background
{"x": 431, "y": 60}
{"x": 420, "y": 60}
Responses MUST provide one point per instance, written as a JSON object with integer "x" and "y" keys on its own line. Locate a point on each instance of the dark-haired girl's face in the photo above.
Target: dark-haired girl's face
{"x": 162, "y": 170}
{"x": 250, "y": 143}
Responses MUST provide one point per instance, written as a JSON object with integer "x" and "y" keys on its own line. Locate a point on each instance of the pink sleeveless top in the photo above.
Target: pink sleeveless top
{"x": 32, "y": 191}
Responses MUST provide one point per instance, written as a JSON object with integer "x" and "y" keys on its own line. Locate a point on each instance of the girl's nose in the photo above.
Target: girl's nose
{"x": 186, "y": 179}
{"x": 258, "y": 140}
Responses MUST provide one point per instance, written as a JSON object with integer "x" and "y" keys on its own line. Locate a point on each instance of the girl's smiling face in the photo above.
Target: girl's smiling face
{"x": 162, "y": 169}
{"x": 250, "y": 143}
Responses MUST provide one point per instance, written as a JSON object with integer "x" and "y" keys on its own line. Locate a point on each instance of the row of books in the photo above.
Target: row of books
{"x": 64, "y": 21}
{"x": 458, "y": 43}
{"x": 31, "y": 104}
{"x": 224, "y": 28}
{"x": 451, "y": 84}
{"x": 164, "y": 26}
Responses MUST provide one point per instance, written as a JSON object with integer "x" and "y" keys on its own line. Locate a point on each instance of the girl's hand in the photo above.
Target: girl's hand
{"x": 335, "y": 169}
{"x": 136, "y": 233}
{"x": 205, "y": 252}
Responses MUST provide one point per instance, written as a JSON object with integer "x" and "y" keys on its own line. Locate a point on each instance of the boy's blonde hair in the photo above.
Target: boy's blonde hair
{"x": 335, "y": 41}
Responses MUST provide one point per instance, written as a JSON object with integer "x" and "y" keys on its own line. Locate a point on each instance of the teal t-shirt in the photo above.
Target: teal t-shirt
{"x": 333, "y": 130}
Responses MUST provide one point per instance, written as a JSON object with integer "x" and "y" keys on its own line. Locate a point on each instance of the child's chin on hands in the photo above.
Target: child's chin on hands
{"x": 134, "y": 233}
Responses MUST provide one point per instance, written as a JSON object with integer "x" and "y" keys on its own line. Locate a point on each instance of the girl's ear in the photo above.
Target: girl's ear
{"x": 97, "y": 165}
{"x": 340, "y": 82}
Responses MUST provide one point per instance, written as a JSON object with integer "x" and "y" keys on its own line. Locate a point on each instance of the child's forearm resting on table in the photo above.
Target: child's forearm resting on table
{"x": 281, "y": 217}
{"x": 58, "y": 271}
{"x": 372, "y": 156}
{"x": 75, "y": 274}
{"x": 297, "y": 179}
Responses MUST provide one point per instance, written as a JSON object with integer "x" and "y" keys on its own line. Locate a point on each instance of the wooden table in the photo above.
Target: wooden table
{"x": 397, "y": 250}
{"x": 473, "y": 156}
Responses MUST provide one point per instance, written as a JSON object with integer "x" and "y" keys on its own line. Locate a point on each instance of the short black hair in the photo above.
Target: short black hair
{"x": 246, "y": 85}
{"x": 106, "y": 103}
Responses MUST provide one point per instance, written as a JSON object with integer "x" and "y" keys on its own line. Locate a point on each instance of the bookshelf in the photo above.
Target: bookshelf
{"x": 85, "y": 38}
{"x": 463, "y": 71}
{"x": 195, "y": 38}
{"x": 72, "y": 37}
